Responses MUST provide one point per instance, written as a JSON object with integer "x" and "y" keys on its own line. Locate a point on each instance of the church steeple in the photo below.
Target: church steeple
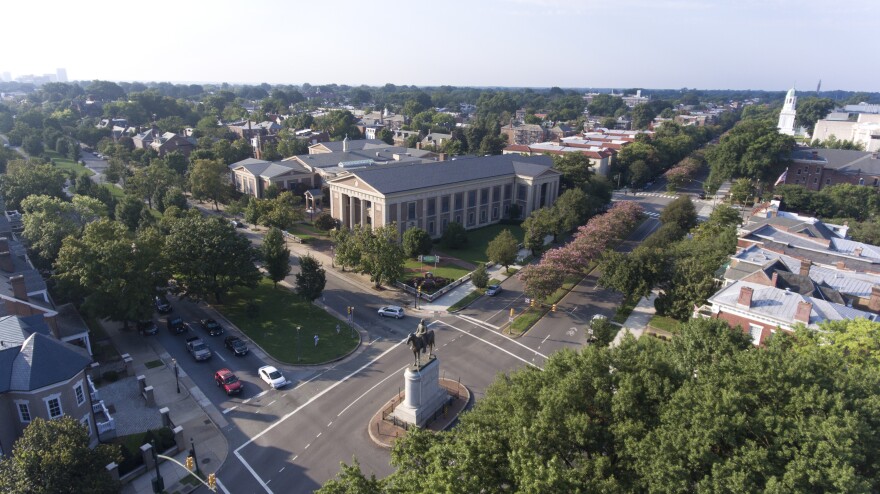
{"x": 788, "y": 113}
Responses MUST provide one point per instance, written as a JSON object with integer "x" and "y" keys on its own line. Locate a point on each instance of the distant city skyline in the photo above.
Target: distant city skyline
{"x": 704, "y": 44}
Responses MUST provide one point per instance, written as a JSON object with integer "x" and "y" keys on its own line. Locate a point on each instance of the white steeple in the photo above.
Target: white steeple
{"x": 787, "y": 115}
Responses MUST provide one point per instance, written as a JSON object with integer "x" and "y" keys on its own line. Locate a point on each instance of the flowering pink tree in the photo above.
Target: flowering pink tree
{"x": 588, "y": 244}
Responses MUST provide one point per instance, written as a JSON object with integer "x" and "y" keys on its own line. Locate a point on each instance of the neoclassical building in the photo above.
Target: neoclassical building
{"x": 474, "y": 192}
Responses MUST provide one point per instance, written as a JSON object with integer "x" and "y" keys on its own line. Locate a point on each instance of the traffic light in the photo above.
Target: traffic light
{"x": 532, "y": 303}
{"x": 553, "y": 307}
{"x": 349, "y": 309}
{"x": 212, "y": 481}
{"x": 190, "y": 464}
{"x": 512, "y": 312}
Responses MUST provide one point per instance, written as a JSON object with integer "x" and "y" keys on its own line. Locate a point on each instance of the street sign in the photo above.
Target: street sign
{"x": 428, "y": 258}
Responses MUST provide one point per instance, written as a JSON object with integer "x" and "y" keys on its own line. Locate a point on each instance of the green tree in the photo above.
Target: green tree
{"x": 575, "y": 168}
{"x": 112, "y": 271}
{"x": 383, "y": 256}
{"x": 48, "y": 221}
{"x": 454, "y": 236}
{"x": 27, "y": 178}
{"x": 276, "y": 255}
{"x": 311, "y": 279}
{"x": 351, "y": 480}
{"x": 537, "y": 226}
{"x": 208, "y": 181}
{"x": 503, "y": 249}
{"x": 208, "y": 257}
{"x": 130, "y": 211}
{"x": 605, "y": 105}
{"x": 480, "y": 277}
{"x": 347, "y": 251}
{"x": 416, "y": 242}
{"x": 642, "y": 116}
{"x": 741, "y": 191}
{"x": 811, "y": 109}
{"x": 572, "y": 209}
{"x": 752, "y": 149}
{"x": 681, "y": 212}
{"x": 54, "y": 457}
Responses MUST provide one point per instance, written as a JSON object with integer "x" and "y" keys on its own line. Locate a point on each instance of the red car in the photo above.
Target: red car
{"x": 228, "y": 381}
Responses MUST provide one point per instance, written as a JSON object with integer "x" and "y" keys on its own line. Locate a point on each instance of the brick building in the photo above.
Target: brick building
{"x": 818, "y": 168}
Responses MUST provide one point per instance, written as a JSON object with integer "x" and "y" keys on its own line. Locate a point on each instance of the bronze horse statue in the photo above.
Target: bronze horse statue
{"x": 418, "y": 344}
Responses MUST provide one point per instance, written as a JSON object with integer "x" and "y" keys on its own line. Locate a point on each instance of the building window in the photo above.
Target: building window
{"x": 431, "y": 227}
{"x": 443, "y": 223}
{"x": 459, "y": 201}
{"x": 815, "y": 180}
{"x": 470, "y": 219}
{"x": 799, "y": 171}
{"x": 755, "y": 333}
{"x": 496, "y": 193}
{"x": 495, "y": 213}
{"x": 508, "y": 191}
{"x": 521, "y": 192}
{"x": 432, "y": 206}
{"x": 472, "y": 197}
{"x": 411, "y": 210}
{"x": 444, "y": 204}
{"x": 24, "y": 412}
{"x": 484, "y": 196}
{"x": 827, "y": 181}
{"x": 53, "y": 405}
{"x": 80, "y": 395}
{"x": 458, "y": 219}
{"x": 482, "y": 216}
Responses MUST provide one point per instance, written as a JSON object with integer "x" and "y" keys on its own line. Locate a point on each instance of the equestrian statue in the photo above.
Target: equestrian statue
{"x": 420, "y": 341}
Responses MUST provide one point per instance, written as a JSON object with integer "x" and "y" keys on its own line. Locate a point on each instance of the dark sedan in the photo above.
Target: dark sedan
{"x": 236, "y": 345}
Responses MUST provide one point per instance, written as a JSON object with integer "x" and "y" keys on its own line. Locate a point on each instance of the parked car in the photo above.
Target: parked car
{"x": 272, "y": 376}
{"x": 236, "y": 223}
{"x": 212, "y": 327}
{"x": 391, "y": 311}
{"x": 228, "y": 381}
{"x": 176, "y": 325}
{"x": 492, "y": 290}
{"x": 147, "y": 328}
{"x": 236, "y": 344}
{"x": 197, "y": 348}
{"x": 163, "y": 306}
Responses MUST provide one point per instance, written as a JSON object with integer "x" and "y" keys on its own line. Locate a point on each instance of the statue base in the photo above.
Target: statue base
{"x": 423, "y": 394}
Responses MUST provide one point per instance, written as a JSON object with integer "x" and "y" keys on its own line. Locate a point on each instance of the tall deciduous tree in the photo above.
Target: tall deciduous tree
{"x": 503, "y": 249}
{"x": 276, "y": 255}
{"x": 311, "y": 279}
{"x": 208, "y": 181}
{"x": 27, "y": 178}
{"x": 416, "y": 241}
{"x": 48, "y": 220}
{"x": 113, "y": 272}
{"x": 54, "y": 457}
{"x": 209, "y": 257}
{"x": 383, "y": 257}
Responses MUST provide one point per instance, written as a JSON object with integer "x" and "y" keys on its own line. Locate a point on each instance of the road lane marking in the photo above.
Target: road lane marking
{"x": 220, "y": 357}
{"x": 545, "y": 339}
{"x": 477, "y": 321}
{"x": 480, "y": 323}
{"x": 229, "y": 409}
{"x": 261, "y": 393}
{"x": 307, "y": 446}
{"x": 282, "y": 469}
{"x": 331, "y": 423}
{"x": 237, "y": 450}
{"x": 313, "y": 378}
{"x": 271, "y": 402}
{"x": 319, "y": 435}
{"x": 395, "y": 373}
{"x": 496, "y": 346}
{"x": 222, "y": 487}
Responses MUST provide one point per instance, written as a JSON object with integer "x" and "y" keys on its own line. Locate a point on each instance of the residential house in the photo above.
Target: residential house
{"x": 818, "y": 168}
{"x": 170, "y": 142}
{"x": 600, "y": 158}
{"x": 249, "y": 129}
{"x": 524, "y": 134}
{"x": 253, "y": 176}
{"x": 474, "y": 192}
{"x": 561, "y": 130}
{"x": 435, "y": 139}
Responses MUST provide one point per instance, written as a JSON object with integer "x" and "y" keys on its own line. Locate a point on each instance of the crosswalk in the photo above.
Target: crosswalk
{"x": 651, "y": 214}
{"x": 620, "y": 195}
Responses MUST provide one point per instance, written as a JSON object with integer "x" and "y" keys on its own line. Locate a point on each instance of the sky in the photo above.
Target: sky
{"x": 703, "y": 44}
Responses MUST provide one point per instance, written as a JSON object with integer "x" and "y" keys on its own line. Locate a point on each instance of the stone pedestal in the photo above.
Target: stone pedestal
{"x": 423, "y": 395}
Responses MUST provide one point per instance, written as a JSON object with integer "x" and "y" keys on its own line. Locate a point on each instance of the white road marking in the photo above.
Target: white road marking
{"x": 319, "y": 435}
{"x": 496, "y": 346}
{"x": 220, "y": 357}
{"x": 545, "y": 339}
{"x": 395, "y": 373}
{"x": 222, "y": 487}
{"x": 271, "y": 402}
{"x": 312, "y": 379}
{"x": 229, "y": 409}
{"x": 483, "y": 325}
{"x": 331, "y": 423}
{"x": 237, "y": 451}
{"x": 261, "y": 393}
{"x": 307, "y": 446}
{"x": 282, "y": 469}
{"x": 294, "y": 458}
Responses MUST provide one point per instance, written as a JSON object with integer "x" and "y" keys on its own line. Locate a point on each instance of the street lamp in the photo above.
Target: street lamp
{"x": 332, "y": 257}
{"x": 297, "y": 344}
{"x": 158, "y": 482}
{"x": 192, "y": 452}
{"x": 176, "y": 373}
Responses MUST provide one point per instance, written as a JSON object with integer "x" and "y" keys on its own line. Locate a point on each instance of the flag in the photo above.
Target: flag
{"x": 781, "y": 178}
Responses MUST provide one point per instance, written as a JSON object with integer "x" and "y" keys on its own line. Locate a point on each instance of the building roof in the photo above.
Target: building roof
{"x": 353, "y": 144}
{"x": 842, "y": 160}
{"x": 331, "y": 163}
{"x": 268, "y": 169}
{"x": 780, "y": 305}
{"x": 43, "y": 360}
{"x": 404, "y": 177}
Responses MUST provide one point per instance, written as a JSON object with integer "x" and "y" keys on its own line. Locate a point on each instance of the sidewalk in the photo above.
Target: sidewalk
{"x": 638, "y": 320}
{"x": 458, "y": 293}
{"x": 188, "y": 409}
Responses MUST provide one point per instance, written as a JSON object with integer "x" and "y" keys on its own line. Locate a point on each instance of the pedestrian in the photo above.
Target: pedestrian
{"x": 337, "y": 329}
{"x": 316, "y": 340}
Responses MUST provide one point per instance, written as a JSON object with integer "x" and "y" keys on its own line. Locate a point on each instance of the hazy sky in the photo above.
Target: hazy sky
{"x": 708, "y": 44}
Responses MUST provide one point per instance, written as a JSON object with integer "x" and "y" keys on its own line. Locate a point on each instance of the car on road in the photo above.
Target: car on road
{"x": 272, "y": 376}
{"x": 163, "y": 306}
{"x": 176, "y": 325}
{"x": 147, "y": 328}
{"x": 236, "y": 223}
{"x": 197, "y": 348}
{"x": 227, "y": 380}
{"x": 492, "y": 290}
{"x": 212, "y": 327}
{"x": 236, "y": 344}
{"x": 391, "y": 311}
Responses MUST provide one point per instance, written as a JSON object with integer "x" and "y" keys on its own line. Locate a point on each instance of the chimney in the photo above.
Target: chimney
{"x": 6, "y": 263}
{"x": 874, "y": 301}
{"x": 18, "y": 288}
{"x": 745, "y": 297}
{"x": 4, "y": 244}
{"x": 441, "y": 156}
{"x": 858, "y": 252}
{"x": 805, "y": 267}
{"x": 840, "y": 265}
{"x": 803, "y": 312}
{"x": 774, "y": 279}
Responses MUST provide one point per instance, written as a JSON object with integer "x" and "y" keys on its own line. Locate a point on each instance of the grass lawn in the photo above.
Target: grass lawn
{"x": 625, "y": 309}
{"x": 273, "y": 325}
{"x": 311, "y": 230}
{"x": 524, "y": 321}
{"x": 65, "y": 163}
{"x": 665, "y": 323}
{"x": 415, "y": 269}
{"x": 470, "y": 297}
{"x": 568, "y": 284}
{"x": 475, "y": 251}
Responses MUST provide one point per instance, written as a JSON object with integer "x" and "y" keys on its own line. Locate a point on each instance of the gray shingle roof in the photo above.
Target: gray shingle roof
{"x": 353, "y": 144}
{"x": 398, "y": 178}
{"x": 839, "y": 159}
{"x": 44, "y": 360}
